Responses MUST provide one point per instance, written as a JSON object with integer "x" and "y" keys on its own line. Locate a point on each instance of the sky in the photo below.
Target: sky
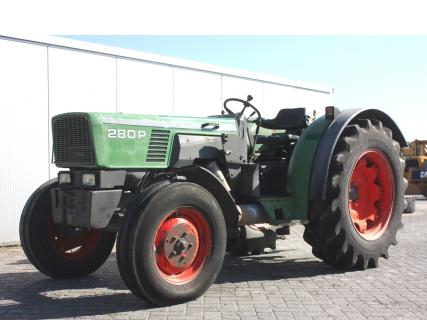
{"x": 384, "y": 72}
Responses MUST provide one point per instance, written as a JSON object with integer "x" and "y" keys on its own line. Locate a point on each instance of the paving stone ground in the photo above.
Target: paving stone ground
{"x": 288, "y": 283}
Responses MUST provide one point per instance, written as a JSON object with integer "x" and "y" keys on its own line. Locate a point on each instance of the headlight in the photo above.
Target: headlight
{"x": 89, "y": 179}
{"x": 64, "y": 178}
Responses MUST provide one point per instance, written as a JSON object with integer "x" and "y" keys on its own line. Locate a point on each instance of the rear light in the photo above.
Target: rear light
{"x": 330, "y": 112}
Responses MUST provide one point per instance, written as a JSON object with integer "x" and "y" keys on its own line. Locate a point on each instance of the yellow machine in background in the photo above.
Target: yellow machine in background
{"x": 415, "y": 156}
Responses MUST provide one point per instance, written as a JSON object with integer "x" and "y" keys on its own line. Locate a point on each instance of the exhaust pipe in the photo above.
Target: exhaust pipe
{"x": 252, "y": 214}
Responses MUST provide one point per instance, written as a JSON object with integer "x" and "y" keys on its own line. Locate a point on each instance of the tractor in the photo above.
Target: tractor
{"x": 178, "y": 193}
{"x": 415, "y": 156}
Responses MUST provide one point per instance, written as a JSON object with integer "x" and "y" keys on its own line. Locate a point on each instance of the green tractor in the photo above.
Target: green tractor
{"x": 179, "y": 192}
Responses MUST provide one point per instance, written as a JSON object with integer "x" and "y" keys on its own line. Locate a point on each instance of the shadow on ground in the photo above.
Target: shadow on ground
{"x": 31, "y": 295}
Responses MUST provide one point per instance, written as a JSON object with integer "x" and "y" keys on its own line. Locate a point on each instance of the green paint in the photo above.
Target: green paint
{"x": 300, "y": 168}
{"x": 129, "y": 151}
{"x": 122, "y": 141}
{"x": 282, "y": 204}
{"x": 295, "y": 206}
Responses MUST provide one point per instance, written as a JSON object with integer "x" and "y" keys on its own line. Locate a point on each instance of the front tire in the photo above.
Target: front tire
{"x": 175, "y": 243}
{"x": 365, "y": 199}
{"x": 60, "y": 251}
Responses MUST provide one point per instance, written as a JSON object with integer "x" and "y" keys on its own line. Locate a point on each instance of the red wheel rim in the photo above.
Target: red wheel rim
{"x": 182, "y": 244}
{"x": 371, "y": 194}
{"x": 71, "y": 243}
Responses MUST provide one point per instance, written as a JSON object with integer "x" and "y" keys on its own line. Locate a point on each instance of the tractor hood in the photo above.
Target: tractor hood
{"x": 117, "y": 140}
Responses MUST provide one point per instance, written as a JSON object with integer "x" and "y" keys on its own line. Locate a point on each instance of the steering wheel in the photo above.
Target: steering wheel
{"x": 246, "y": 104}
{"x": 237, "y": 115}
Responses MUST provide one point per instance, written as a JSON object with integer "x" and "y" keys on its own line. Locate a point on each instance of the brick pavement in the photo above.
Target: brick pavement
{"x": 286, "y": 284}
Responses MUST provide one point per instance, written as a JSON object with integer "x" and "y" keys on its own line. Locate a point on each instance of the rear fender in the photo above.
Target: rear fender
{"x": 299, "y": 171}
{"x": 325, "y": 149}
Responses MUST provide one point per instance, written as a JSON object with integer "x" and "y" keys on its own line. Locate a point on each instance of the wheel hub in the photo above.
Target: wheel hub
{"x": 182, "y": 244}
{"x": 371, "y": 194}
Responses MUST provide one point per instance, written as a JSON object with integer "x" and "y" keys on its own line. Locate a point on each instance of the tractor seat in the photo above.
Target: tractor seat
{"x": 286, "y": 119}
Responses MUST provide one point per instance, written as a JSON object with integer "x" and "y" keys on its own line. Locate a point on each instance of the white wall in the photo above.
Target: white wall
{"x": 277, "y": 97}
{"x": 38, "y": 81}
{"x": 196, "y": 93}
{"x": 233, "y": 87}
{"x": 24, "y": 156}
{"x": 144, "y": 87}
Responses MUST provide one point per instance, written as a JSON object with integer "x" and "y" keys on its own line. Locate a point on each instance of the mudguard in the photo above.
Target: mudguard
{"x": 300, "y": 167}
{"x": 207, "y": 180}
{"x": 326, "y": 146}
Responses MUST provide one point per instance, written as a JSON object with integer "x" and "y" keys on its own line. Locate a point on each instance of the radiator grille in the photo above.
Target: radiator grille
{"x": 158, "y": 147}
{"x": 72, "y": 141}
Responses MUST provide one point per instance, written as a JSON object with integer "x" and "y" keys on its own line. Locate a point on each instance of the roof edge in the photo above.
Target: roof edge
{"x": 65, "y": 43}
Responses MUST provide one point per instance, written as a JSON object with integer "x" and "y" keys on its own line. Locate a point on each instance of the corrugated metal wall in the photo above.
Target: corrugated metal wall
{"x": 38, "y": 81}
{"x": 23, "y": 129}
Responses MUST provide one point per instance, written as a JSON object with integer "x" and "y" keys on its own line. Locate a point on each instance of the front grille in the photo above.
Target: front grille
{"x": 72, "y": 141}
{"x": 158, "y": 147}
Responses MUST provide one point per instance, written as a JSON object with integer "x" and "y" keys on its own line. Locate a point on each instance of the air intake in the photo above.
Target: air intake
{"x": 158, "y": 147}
{"x": 72, "y": 141}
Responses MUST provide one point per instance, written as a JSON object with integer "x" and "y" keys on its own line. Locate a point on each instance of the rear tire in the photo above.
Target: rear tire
{"x": 172, "y": 243}
{"x": 364, "y": 204}
{"x": 59, "y": 251}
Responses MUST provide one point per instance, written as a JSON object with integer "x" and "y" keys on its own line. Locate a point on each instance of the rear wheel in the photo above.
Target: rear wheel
{"x": 364, "y": 199}
{"x": 175, "y": 244}
{"x": 60, "y": 251}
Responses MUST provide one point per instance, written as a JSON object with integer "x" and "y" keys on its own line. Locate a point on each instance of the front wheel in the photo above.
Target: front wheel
{"x": 60, "y": 251}
{"x": 173, "y": 243}
{"x": 365, "y": 199}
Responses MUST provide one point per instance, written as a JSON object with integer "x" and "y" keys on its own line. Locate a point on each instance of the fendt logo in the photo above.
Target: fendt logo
{"x": 113, "y": 133}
